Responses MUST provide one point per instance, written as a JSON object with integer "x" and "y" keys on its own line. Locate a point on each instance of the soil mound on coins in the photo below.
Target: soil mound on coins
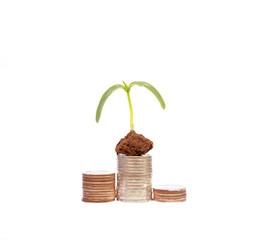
{"x": 134, "y": 144}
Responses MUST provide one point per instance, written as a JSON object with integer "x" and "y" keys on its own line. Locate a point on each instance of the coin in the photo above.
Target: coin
{"x": 98, "y": 186}
{"x": 134, "y": 178}
{"x": 169, "y": 193}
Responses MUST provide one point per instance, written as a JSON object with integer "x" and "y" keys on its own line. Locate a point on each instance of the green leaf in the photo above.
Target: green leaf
{"x": 126, "y": 87}
{"x": 104, "y": 98}
{"x": 151, "y": 89}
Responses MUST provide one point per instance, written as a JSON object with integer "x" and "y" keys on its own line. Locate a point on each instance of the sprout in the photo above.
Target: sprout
{"x": 127, "y": 89}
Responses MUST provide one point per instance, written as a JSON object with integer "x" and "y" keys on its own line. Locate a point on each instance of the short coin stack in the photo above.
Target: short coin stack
{"x": 169, "y": 193}
{"x": 98, "y": 186}
{"x": 134, "y": 178}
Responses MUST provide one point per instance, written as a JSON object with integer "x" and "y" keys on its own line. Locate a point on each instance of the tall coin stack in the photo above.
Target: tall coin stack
{"x": 134, "y": 178}
{"x": 98, "y": 186}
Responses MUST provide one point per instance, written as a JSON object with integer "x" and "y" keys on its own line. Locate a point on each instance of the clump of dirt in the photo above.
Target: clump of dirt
{"x": 134, "y": 144}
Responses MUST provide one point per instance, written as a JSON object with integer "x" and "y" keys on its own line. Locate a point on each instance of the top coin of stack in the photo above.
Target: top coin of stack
{"x": 169, "y": 193}
{"x": 98, "y": 186}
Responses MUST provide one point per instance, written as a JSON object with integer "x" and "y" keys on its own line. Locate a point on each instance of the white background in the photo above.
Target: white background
{"x": 208, "y": 60}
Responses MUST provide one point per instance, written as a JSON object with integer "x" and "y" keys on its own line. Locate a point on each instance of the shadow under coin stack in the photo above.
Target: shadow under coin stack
{"x": 169, "y": 193}
{"x": 134, "y": 178}
{"x": 98, "y": 186}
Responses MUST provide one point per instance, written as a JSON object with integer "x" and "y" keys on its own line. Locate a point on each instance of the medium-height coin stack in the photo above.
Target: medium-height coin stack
{"x": 98, "y": 186}
{"x": 134, "y": 178}
{"x": 169, "y": 193}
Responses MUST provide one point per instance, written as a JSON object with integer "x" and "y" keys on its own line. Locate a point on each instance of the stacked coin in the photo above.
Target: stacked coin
{"x": 134, "y": 178}
{"x": 169, "y": 193}
{"x": 98, "y": 186}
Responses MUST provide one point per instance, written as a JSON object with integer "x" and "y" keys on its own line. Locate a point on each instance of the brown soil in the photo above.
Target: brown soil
{"x": 134, "y": 144}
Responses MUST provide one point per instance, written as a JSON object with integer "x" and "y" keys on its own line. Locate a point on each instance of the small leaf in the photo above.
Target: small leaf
{"x": 104, "y": 98}
{"x": 125, "y": 86}
{"x": 151, "y": 89}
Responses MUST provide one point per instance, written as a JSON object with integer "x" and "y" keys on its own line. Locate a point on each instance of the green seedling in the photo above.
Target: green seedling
{"x": 127, "y": 89}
